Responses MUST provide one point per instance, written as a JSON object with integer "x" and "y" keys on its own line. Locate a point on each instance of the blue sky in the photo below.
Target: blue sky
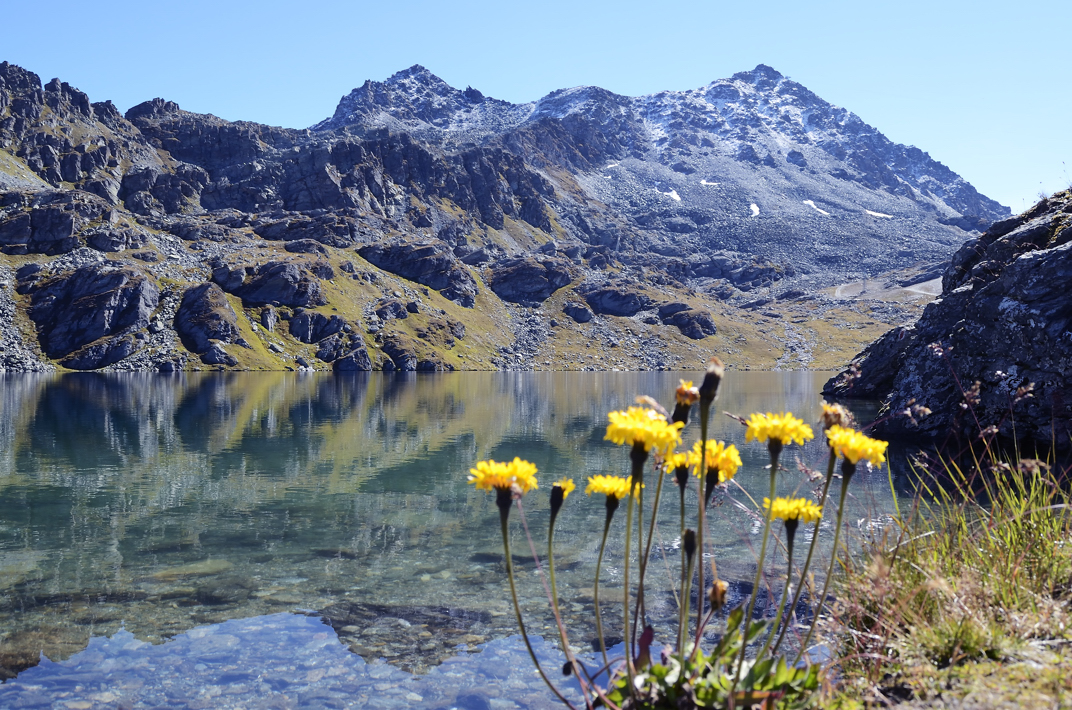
{"x": 982, "y": 86}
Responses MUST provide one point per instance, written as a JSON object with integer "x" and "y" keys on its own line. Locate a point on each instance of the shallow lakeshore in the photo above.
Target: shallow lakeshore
{"x": 163, "y": 505}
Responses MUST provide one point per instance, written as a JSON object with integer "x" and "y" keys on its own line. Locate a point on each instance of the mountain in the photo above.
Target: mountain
{"x": 419, "y": 212}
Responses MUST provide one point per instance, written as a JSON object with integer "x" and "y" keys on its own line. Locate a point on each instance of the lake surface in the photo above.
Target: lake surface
{"x": 308, "y": 540}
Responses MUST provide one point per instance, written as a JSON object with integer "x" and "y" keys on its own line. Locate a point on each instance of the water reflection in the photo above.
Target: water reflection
{"x": 168, "y": 502}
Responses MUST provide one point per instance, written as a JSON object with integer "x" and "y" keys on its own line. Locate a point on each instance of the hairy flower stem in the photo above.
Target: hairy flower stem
{"x": 701, "y": 524}
{"x": 775, "y": 448}
{"x": 686, "y": 580}
{"x": 811, "y": 550}
{"x": 504, "y": 503}
{"x": 558, "y": 616}
{"x": 638, "y": 455}
{"x": 641, "y": 612}
{"x": 612, "y": 505}
{"x": 847, "y": 470}
{"x": 785, "y": 592}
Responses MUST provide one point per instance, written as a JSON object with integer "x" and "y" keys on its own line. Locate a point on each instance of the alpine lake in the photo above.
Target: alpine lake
{"x": 305, "y": 540}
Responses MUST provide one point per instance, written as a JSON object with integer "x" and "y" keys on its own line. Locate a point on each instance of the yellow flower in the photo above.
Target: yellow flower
{"x": 566, "y": 484}
{"x": 724, "y": 459}
{"x": 678, "y": 460}
{"x": 612, "y": 486}
{"x": 784, "y": 427}
{"x": 640, "y": 425}
{"x": 493, "y": 475}
{"x": 800, "y": 509}
{"x": 855, "y": 446}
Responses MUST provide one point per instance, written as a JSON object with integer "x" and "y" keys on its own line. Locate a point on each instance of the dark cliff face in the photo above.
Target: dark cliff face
{"x": 1004, "y": 320}
{"x": 750, "y": 183}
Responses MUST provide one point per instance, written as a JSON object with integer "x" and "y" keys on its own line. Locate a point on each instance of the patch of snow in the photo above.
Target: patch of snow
{"x": 879, "y": 214}
{"x": 712, "y": 184}
{"x": 612, "y": 165}
{"x": 811, "y": 203}
{"x": 672, "y": 195}
{"x": 755, "y": 209}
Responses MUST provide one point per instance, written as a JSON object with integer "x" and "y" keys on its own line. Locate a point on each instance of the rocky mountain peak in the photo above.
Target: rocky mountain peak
{"x": 156, "y": 108}
{"x": 763, "y": 76}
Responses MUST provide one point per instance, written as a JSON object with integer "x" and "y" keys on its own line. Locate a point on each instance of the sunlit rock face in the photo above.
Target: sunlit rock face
{"x": 1003, "y": 323}
{"x": 748, "y": 187}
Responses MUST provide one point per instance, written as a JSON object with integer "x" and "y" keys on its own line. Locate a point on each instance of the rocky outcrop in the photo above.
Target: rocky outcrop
{"x": 618, "y": 299}
{"x": 693, "y": 323}
{"x": 205, "y": 318}
{"x": 94, "y": 302}
{"x": 430, "y": 263}
{"x": 529, "y": 280}
{"x": 287, "y": 283}
{"x": 1004, "y": 321}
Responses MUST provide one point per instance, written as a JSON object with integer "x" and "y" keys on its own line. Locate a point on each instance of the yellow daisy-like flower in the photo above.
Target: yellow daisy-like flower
{"x": 566, "y": 484}
{"x": 724, "y": 459}
{"x": 678, "y": 460}
{"x": 784, "y": 427}
{"x": 641, "y": 425}
{"x": 612, "y": 486}
{"x": 800, "y": 509}
{"x": 854, "y": 446}
{"x": 492, "y": 475}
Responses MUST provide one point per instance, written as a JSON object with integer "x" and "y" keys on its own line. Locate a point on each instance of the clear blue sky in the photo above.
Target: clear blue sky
{"x": 982, "y": 86}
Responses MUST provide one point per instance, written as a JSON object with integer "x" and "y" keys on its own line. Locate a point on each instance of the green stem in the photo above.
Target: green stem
{"x": 595, "y": 589}
{"x": 504, "y": 513}
{"x": 811, "y": 550}
{"x": 775, "y": 451}
{"x": 785, "y": 594}
{"x": 830, "y": 568}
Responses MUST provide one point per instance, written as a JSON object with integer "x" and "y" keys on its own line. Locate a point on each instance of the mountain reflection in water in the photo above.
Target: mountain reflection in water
{"x": 162, "y": 503}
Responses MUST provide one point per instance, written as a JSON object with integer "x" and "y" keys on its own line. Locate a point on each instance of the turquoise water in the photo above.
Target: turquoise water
{"x": 144, "y": 516}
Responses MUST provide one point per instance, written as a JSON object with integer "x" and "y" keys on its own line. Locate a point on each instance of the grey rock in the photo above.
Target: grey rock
{"x": 205, "y": 316}
{"x": 577, "y": 311}
{"x": 530, "y": 280}
{"x": 619, "y": 299}
{"x": 95, "y": 301}
{"x": 354, "y": 361}
{"x": 312, "y": 327}
{"x": 391, "y": 308}
{"x": 692, "y": 322}
{"x": 274, "y": 282}
{"x": 430, "y": 263}
{"x": 1003, "y": 320}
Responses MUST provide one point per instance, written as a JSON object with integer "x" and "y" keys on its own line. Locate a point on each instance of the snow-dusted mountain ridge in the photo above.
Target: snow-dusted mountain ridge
{"x": 758, "y": 117}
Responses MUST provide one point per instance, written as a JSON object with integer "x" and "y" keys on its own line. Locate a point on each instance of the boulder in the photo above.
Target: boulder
{"x": 218, "y": 355}
{"x": 94, "y": 301}
{"x": 312, "y": 327}
{"x": 281, "y": 283}
{"x": 692, "y": 322}
{"x": 355, "y": 361}
{"x": 1004, "y": 321}
{"x": 430, "y": 263}
{"x": 577, "y": 311}
{"x": 204, "y": 316}
{"x": 620, "y": 299}
{"x": 530, "y": 280}
{"x": 391, "y": 308}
